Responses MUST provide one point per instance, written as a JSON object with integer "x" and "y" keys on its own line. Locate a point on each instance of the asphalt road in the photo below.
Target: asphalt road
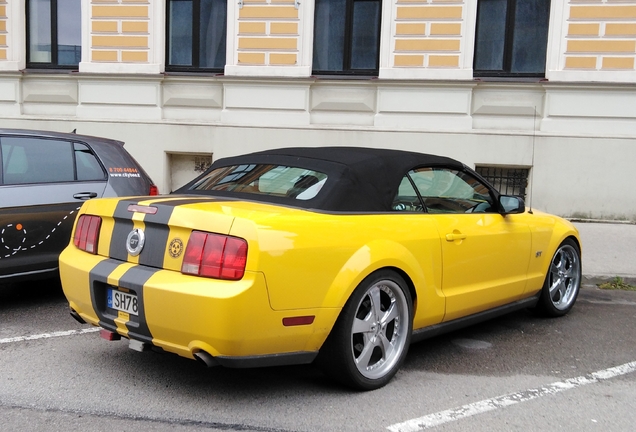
{"x": 518, "y": 372}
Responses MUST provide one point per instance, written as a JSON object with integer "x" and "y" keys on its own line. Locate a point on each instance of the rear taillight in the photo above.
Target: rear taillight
{"x": 215, "y": 256}
{"x": 154, "y": 190}
{"x": 87, "y": 233}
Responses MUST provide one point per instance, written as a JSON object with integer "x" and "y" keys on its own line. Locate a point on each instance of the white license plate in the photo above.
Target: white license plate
{"x": 122, "y": 301}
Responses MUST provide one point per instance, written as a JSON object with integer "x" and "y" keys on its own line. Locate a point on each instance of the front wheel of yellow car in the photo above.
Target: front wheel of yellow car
{"x": 563, "y": 281}
{"x": 370, "y": 340}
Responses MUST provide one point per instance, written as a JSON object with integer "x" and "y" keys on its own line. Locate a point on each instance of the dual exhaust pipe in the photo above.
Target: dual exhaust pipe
{"x": 202, "y": 357}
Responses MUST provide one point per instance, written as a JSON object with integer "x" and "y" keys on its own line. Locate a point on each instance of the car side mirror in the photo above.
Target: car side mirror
{"x": 511, "y": 204}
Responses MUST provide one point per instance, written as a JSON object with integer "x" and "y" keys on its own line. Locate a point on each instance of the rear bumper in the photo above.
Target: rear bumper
{"x": 230, "y": 320}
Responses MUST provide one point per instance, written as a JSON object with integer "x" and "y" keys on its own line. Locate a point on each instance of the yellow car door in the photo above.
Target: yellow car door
{"x": 485, "y": 254}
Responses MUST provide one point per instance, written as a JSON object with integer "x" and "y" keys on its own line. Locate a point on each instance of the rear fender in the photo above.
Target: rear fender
{"x": 425, "y": 274}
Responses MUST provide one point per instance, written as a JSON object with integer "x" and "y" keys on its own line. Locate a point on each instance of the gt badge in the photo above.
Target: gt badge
{"x": 135, "y": 241}
{"x": 176, "y": 248}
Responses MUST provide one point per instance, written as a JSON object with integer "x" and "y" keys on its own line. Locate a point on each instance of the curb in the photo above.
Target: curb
{"x": 599, "y": 279}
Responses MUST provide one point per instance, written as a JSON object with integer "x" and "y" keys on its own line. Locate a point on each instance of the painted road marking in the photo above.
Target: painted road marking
{"x": 49, "y": 335}
{"x": 486, "y": 405}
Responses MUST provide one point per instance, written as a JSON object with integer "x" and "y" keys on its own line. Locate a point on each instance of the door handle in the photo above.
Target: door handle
{"x": 455, "y": 236}
{"x": 85, "y": 195}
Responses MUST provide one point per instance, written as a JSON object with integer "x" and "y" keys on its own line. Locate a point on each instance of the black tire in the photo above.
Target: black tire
{"x": 371, "y": 337}
{"x": 562, "y": 282}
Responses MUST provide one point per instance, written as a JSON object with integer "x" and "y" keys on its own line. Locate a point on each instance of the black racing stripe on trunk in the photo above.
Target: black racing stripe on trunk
{"x": 157, "y": 231}
{"x": 98, "y": 280}
{"x": 134, "y": 279}
{"x": 155, "y": 245}
{"x": 123, "y": 226}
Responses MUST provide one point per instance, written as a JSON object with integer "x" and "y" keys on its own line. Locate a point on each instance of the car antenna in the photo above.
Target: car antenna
{"x": 534, "y": 135}
{"x": 74, "y": 130}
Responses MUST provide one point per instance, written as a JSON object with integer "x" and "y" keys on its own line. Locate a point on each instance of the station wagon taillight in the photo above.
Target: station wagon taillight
{"x": 215, "y": 256}
{"x": 87, "y": 233}
{"x": 154, "y": 190}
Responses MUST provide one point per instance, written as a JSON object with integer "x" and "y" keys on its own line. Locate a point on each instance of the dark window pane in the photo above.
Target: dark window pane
{"x": 180, "y": 33}
{"x": 69, "y": 32}
{"x": 530, "y": 36}
{"x": 491, "y": 35}
{"x": 212, "y": 33}
{"x": 40, "y": 31}
{"x": 34, "y": 160}
{"x": 329, "y": 31}
{"x": 86, "y": 163}
{"x": 365, "y": 34}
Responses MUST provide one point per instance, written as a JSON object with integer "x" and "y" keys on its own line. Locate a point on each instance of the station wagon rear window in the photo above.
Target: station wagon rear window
{"x": 263, "y": 179}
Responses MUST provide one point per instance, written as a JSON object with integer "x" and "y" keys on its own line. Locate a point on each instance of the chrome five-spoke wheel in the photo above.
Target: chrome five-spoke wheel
{"x": 371, "y": 337}
{"x": 562, "y": 281}
{"x": 379, "y": 329}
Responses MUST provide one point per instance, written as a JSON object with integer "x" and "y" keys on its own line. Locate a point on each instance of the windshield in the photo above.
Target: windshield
{"x": 261, "y": 179}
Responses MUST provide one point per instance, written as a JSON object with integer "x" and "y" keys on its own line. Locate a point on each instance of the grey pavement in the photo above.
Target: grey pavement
{"x": 609, "y": 250}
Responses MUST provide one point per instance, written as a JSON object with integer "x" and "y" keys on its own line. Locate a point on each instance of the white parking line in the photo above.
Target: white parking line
{"x": 49, "y": 335}
{"x": 486, "y": 405}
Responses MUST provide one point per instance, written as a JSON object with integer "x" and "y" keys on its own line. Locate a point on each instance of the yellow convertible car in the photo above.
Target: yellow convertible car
{"x": 342, "y": 256}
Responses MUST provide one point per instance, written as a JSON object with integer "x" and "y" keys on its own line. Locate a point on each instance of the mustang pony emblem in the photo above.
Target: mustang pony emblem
{"x": 135, "y": 241}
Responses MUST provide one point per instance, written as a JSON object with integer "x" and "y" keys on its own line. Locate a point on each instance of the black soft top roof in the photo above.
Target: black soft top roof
{"x": 359, "y": 179}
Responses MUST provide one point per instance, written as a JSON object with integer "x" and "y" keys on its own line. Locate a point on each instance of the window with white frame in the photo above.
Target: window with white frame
{"x": 53, "y": 33}
{"x": 511, "y": 38}
{"x": 196, "y": 35}
{"x": 347, "y": 37}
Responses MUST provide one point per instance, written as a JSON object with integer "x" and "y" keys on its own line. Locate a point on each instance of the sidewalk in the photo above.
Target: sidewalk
{"x": 609, "y": 250}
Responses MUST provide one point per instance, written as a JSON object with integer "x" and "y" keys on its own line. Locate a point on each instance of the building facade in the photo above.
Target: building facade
{"x": 538, "y": 87}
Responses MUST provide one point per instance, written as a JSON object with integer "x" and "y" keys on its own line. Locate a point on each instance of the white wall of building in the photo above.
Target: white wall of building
{"x": 578, "y": 139}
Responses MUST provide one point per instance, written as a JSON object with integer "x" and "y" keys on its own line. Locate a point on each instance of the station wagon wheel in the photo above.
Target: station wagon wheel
{"x": 563, "y": 281}
{"x": 371, "y": 337}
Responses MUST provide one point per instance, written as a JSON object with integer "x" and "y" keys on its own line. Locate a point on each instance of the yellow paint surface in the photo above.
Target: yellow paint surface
{"x": 618, "y": 63}
{"x": 409, "y": 60}
{"x": 134, "y": 27}
{"x": 120, "y": 41}
{"x": 620, "y": 29}
{"x": 282, "y": 59}
{"x": 410, "y": 29}
{"x": 446, "y": 29}
{"x": 110, "y": 56}
{"x": 119, "y": 11}
{"x": 443, "y": 61}
{"x": 583, "y": 29}
{"x": 283, "y": 28}
{"x": 252, "y": 28}
{"x": 134, "y": 56}
{"x": 3, "y": 54}
{"x": 580, "y": 62}
{"x": 429, "y": 12}
{"x": 268, "y": 12}
{"x": 251, "y": 58}
{"x": 426, "y": 45}
{"x": 603, "y": 12}
{"x": 267, "y": 43}
{"x": 614, "y": 46}
{"x": 104, "y": 26}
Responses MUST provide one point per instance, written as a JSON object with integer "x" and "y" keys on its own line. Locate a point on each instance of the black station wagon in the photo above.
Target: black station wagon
{"x": 44, "y": 179}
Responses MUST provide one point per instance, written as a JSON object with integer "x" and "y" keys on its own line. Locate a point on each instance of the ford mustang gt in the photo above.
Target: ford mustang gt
{"x": 342, "y": 256}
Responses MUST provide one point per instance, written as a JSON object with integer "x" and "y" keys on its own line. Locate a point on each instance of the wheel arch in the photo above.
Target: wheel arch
{"x": 384, "y": 255}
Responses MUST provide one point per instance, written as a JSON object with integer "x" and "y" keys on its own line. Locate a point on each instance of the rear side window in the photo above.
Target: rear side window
{"x": 87, "y": 166}
{"x": 275, "y": 180}
{"x": 27, "y": 160}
